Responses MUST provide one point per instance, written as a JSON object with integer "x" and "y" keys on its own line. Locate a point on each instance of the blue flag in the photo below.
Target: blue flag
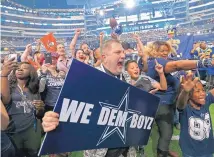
{"x": 99, "y": 111}
{"x": 185, "y": 46}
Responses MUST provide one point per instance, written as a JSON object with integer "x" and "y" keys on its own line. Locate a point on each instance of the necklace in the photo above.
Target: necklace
{"x": 21, "y": 93}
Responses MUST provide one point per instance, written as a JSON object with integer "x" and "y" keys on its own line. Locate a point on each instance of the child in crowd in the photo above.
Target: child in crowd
{"x": 145, "y": 82}
{"x": 196, "y": 136}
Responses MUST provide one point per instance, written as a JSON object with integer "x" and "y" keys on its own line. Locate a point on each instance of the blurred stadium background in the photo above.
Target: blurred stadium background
{"x": 22, "y": 22}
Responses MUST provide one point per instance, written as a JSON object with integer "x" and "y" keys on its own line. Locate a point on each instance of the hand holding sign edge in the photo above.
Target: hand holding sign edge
{"x": 50, "y": 121}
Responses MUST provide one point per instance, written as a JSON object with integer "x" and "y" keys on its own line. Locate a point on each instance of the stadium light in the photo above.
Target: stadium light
{"x": 129, "y": 4}
{"x": 188, "y": 34}
{"x": 101, "y": 12}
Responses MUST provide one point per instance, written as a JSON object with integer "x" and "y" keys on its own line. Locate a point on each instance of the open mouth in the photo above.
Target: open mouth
{"x": 120, "y": 63}
{"x": 202, "y": 99}
{"x": 136, "y": 73}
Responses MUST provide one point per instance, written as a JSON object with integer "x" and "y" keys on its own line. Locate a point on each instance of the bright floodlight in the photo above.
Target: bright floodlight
{"x": 188, "y": 34}
{"x": 101, "y": 12}
{"x": 130, "y": 3}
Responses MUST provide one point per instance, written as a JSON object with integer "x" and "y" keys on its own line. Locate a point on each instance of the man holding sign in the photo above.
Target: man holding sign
{"x": 113, "y": 61}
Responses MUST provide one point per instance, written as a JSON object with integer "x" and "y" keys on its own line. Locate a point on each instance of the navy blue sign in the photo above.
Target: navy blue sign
{"x": 99, "y": 111}
{"x": 185, "y": 46}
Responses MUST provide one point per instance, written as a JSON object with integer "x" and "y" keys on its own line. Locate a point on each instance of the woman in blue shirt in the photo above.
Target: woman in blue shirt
{"x": 164, "y": 119}
{"x": 196, "y": 136}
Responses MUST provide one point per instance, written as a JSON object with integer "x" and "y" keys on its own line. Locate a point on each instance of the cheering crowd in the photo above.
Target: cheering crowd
{"x": 30, "y": 86}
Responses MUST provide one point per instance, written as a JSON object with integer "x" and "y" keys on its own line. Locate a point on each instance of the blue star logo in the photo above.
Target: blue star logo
{"x": 109, "y": 130}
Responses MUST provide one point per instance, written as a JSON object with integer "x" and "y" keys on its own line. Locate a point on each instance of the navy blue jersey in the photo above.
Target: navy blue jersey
{"x": 166, "y": 97}
{"x": 196, "y": 136}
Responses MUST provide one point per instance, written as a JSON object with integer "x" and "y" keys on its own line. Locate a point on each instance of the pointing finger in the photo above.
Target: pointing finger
{"x": 156, "y": 62}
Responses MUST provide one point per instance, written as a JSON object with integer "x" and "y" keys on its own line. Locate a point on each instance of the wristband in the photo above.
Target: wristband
{"x": 204, "y": 63}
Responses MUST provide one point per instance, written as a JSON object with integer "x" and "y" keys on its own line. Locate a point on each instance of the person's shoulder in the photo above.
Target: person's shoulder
{"x": 144, "y": 76}
{"x": 209, "y": 94}
{"x": 187, "y": 109}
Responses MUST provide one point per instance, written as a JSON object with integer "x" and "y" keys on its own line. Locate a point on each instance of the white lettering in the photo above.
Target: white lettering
{"x": 121, "y": 119}
{"x": 140, "y": 122}
{"x": 104, "y": 114}
{"x": 149, "y": 127}
{"x": 71, "y": 111}
{"x": 134, "y": 121}
{"x": 112, "y": 117}
{"x": 146, "y": 122}
{"x": 86, "y": 113}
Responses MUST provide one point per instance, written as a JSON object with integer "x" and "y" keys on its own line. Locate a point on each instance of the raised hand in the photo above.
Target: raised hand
{"x": 38, "y": 41}
{"x": 28, "y": 48}
{"x": 158, "y": 67}
{"x": 78, "y": 31}
{"x": 8, "y": 66}
{"x": 188, "y": 83}
{"x": 102, "y": 34}
{"x": 114, "y": 36}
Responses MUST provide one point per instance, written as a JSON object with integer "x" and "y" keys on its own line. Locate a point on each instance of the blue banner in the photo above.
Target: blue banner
{"x": 185, "y": 45}
{"x": 99, "y": 111}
